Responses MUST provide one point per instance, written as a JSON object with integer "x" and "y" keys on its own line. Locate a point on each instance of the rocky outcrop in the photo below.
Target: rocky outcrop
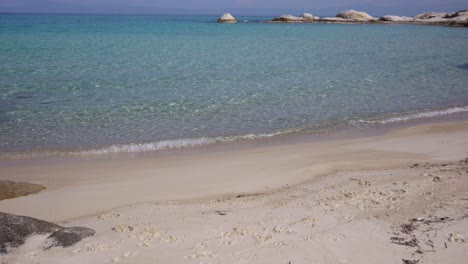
{"x": 227, "y": 18}
{"x": 354, "y": 15}
{"x": 308, "y": 17}
{"x": 289, "y": 19}
{"x": 332, "y": 19}
{"x": 396, "y": 19}
{"x": 68, "y": 236}
{"x": 458, "y": 19}
{"x": 10, "y": 189}
{"x": 430, "y": 15}
{"x": 457, "y": 14}
{"x": 15, "y": 229}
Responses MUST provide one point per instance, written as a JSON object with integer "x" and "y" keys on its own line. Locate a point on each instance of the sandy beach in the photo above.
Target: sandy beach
{"x": 399, "y": 197}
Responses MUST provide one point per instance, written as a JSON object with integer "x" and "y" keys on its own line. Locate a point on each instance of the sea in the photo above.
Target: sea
{"x": 99, "y": 84}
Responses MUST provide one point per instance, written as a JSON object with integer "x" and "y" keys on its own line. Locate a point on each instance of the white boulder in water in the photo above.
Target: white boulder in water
{"x": 308, "y": 17}
{"x": 227, "y": 18}
{"x": 355, "y": 15}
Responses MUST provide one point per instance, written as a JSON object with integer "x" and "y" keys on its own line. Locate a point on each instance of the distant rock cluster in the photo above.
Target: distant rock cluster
{"x": 15, "y": 229}
{"x": 459, "y": 18}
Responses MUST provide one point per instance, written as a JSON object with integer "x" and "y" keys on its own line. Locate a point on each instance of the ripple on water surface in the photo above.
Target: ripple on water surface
{"x": 125, "y": 82}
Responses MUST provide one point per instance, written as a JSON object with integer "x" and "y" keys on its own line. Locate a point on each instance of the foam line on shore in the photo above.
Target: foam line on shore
{"x": 196, "y": 142}
{"x": 203, "y": 141}
{"x": 175, "y": 144}
{"x": 419, "y": 115}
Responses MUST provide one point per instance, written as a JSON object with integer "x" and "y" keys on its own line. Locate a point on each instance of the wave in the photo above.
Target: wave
{"x": 173, "y": 144}
{"x": 197, "y": 142}
{"x": 418, "y": 115}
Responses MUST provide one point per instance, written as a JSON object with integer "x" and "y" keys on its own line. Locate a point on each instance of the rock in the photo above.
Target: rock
{"x": 227, "y": 18}
{"x": 355, "y": 15}
{"x": 457, "y": 14}
{"x": 430, "y": 15}
{"x": 316, "y": 18}
{"x": 11, "y": 189}
{"x": 308, "y": 17}
{"x": 396, "y": 18}
{"x": 456, "y": 238}
{"x": 15, "y": 229}
{"x": 458, "y": 18}
{"x": 289, "y": 19}
{"x": 123, "y": 228}
{"x": 68, "y": 236}
{"x": 332, "y": 19}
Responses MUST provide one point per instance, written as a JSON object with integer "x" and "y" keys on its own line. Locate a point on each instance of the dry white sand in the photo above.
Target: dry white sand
{"x": 333, "y": 201}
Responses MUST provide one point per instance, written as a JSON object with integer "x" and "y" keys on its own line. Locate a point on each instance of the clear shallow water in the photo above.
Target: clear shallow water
{"x": 104, "y": 82}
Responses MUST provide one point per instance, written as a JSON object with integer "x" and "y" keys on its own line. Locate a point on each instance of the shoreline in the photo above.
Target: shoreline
{"x": 401, "y": 194}
{"x": 112, "y": 182}
{"x": 351, "y": 128}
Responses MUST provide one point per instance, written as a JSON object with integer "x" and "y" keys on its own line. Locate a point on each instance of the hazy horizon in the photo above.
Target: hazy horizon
{"x": 236, "y": 7}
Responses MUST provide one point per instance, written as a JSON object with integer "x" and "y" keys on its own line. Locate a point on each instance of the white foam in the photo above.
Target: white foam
{"x": 412, "y": 116}
{"x": 196, "y": 142}
{"x": 171, "y": 144}
{"x": 146, "y": 147}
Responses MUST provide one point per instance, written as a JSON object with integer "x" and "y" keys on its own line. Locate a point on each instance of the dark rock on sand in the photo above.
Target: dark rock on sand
{"x": 69, "y": 236}
{"x": 14, "y": 229}
{"x": 11, "y": 189}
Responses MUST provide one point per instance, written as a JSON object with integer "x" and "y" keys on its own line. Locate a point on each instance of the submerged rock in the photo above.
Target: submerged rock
{"x": 227, "y": 18}
{"x": 14, "y": 229}
{"x": 355, "y": 15}
{"x": 463, "y": 67}
{"x": 11, "y": 189}
{"x": 68, "y": 236}
{"x": 289, "y": 19}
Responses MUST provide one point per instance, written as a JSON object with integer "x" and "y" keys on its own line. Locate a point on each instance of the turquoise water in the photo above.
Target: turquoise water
{"x": 136, "y": 83}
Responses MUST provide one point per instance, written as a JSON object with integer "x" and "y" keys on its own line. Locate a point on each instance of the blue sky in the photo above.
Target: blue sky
{"x": 237, "y": 7}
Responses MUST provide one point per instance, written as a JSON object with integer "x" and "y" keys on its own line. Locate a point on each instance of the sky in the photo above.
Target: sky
{"x": 236, "y": 7}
